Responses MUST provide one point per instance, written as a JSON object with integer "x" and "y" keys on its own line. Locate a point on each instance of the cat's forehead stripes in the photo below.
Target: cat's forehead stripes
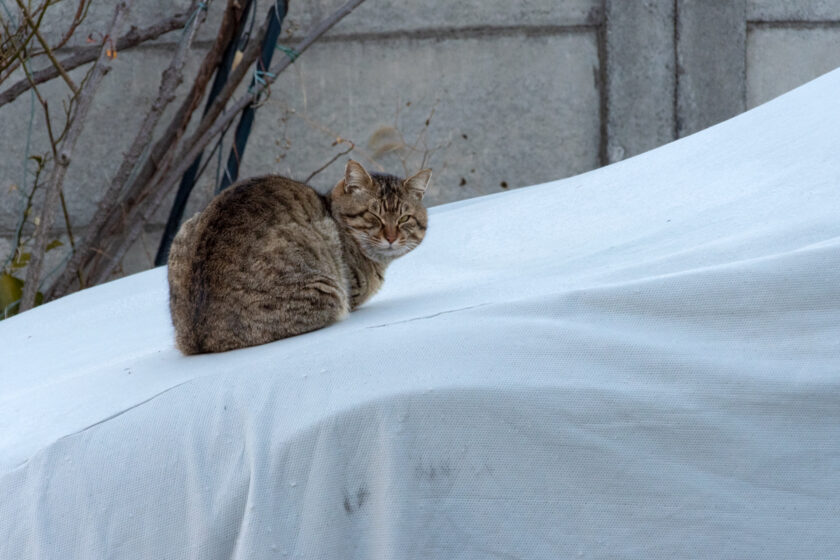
{"x": 390, "y": 187}
{"x": 388, "y": 184}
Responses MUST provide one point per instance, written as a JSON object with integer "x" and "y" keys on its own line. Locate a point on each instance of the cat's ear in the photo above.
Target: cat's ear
{"x": 417, "y": 183}
{"x": 356, "y": 178}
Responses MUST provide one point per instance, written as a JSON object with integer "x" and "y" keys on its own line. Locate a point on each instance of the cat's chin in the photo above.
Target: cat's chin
{"x": 385, "y": 254}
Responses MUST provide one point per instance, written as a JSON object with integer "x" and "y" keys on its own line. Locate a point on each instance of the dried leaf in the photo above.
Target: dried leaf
{"x": 385, "y": 139}
{"x": 237, "y": 58}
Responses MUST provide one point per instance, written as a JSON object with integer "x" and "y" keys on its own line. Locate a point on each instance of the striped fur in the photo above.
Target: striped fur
{"x": 270, "y": 258}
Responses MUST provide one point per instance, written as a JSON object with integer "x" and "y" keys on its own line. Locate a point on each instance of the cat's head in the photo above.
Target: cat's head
{"x": 384, "y": 213}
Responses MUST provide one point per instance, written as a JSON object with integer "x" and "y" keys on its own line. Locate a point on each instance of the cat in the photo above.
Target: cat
{"x": 271, "y": 258}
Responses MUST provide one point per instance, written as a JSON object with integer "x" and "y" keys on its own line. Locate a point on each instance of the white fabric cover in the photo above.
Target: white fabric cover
{"x": 639, "y": 362}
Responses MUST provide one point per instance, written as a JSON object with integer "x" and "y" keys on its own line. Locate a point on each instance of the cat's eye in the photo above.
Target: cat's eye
{"x": 403, "y": 220}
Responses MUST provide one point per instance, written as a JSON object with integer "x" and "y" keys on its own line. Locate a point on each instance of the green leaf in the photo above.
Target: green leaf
{"x": 11, "y": 290}
{"x": 21, "y": 260}
{"x": 53, "y": 244}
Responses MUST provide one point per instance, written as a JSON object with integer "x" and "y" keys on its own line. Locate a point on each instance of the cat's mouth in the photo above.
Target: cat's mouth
{"x": 392, "y": 250}
{"x": 380, "y": 249}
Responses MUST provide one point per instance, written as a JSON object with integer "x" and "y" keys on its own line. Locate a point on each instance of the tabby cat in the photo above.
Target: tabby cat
{"x": 271, "y": 258}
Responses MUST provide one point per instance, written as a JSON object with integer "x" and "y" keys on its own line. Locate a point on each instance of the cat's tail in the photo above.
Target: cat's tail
{"x": 182, "y": 277}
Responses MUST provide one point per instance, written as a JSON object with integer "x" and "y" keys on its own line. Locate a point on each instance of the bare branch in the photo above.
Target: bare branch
{"x": 48, "y": 211}
{"x": 202, "y": 138}
{"x": 131, "y": 39}
{"x": 208, "y": 129}
{"x": 10, "y": 57}
{"x": 147, "y": 182}
{"x": 81, "y": 12}
{"x": 335, "y": 157}
{"x": 237, "y": 74}
{"x": 110, "y": 213}
{"x": 215, "y": 121}
{"x": 47, "y": 50}
{"x": 164, "y": 149}
{"x": 170, "y": 80}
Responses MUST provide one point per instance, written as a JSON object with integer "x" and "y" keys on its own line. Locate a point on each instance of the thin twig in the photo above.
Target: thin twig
{"x": 19, "y": 242}
{"x": 335, "y": 157}
{"x": 67, "y": 222}
{"x": 131, "y": 39}
{"x": 81, "y": 14}
{"x": 161, "y": 160}
{"x": 47, "y": 50}
{"x": 209, "y": 157}
{"x": 110, "y": 213}
{"x": 304, "y": 116}
{"x": 170, "y": 79}
{"x": 20, "y": 47}
{"x": 236, "y": 76}
{"x": 163, "y": 182}
{"x": 53, "y": 141}
{"x": 51, "y": 200}
{"x": 200, "y": 142}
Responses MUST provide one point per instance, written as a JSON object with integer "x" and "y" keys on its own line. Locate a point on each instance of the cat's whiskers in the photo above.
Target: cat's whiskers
{"x": 271, "y": 258}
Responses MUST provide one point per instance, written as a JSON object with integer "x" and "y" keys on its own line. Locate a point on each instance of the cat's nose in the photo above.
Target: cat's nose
{"x": 390, "y": 235}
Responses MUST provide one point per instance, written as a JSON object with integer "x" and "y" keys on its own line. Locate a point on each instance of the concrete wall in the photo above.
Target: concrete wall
{"x": 519, "y": 91}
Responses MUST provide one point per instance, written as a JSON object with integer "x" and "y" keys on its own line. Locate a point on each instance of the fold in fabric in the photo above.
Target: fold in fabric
{"x": 638, "y": 362}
